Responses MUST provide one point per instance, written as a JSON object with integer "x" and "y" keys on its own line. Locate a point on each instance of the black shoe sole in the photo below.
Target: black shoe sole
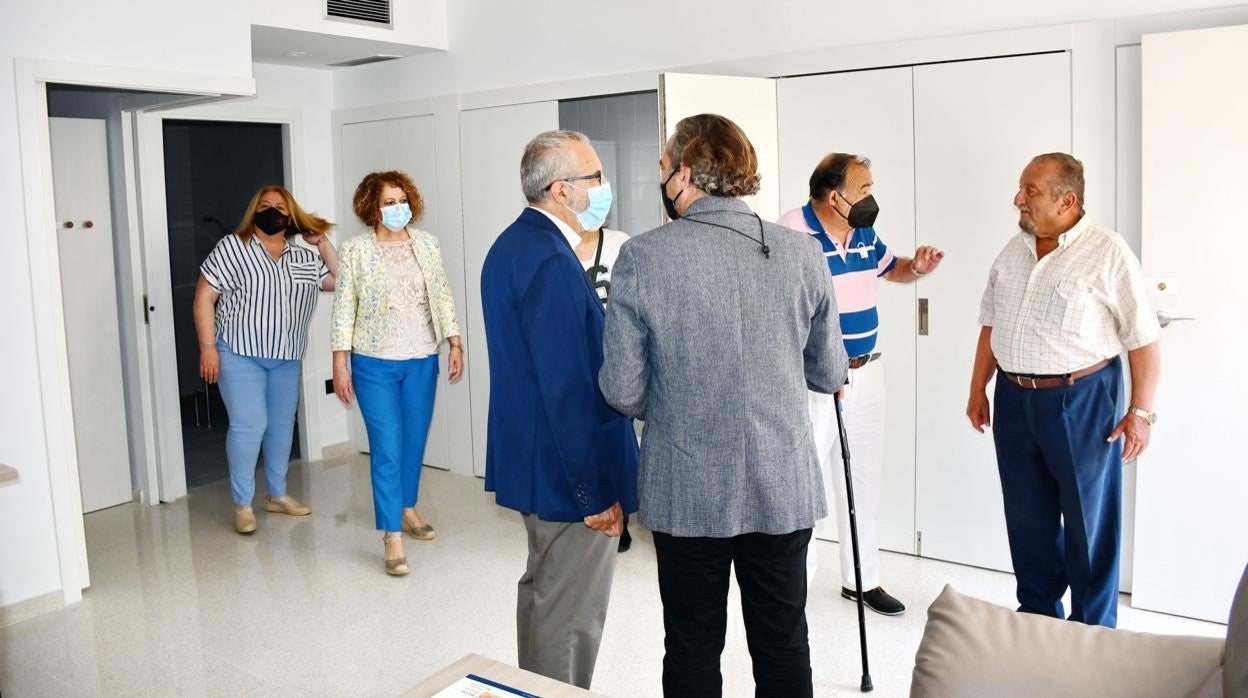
{"x": 851, "y": 597}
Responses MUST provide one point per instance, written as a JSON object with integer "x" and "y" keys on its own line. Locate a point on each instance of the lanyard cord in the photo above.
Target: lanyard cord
{"x": 762, "y": 234}
{"x": 597, "y": 268}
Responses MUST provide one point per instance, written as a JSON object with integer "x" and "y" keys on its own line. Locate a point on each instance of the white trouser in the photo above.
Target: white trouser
{"x": 863, "y": 411}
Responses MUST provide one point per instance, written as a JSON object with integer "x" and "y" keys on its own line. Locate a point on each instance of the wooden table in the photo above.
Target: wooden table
{"x": 497, "y": 671}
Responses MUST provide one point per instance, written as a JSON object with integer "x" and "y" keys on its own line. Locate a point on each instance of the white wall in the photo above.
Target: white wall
{"x": 143, "y": 33}
{"x": 499, "y": 44}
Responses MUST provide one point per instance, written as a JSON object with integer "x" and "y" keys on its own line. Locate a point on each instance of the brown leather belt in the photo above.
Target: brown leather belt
{"x": 1041, "y": 382}
{"x": 860, "y": 361}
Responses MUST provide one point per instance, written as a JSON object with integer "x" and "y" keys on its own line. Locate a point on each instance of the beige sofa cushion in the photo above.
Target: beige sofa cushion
{"x": 1236, "y": 667}
{"x": 973, "y": 648}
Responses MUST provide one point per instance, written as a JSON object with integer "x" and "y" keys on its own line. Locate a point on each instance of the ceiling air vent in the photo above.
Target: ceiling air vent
{"x": 378, "y": 58}
{"x": 370, "y": 12}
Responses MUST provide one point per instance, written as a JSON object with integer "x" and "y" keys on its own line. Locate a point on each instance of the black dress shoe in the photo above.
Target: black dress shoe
{"x": 877, "y": 600}
{"x": 626, "y": 541}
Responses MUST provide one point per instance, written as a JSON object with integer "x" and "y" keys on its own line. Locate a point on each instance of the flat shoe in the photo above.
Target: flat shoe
{"x": 877, "y": 600}
{"x": 286, "y": 504}
{"x": 244, "y": 520}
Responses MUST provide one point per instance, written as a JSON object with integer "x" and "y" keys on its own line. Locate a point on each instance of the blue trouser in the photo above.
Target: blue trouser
{"x": 1062, "y": 486}
{"x": 261, "y": 396}
{"x": 396, "y": 399}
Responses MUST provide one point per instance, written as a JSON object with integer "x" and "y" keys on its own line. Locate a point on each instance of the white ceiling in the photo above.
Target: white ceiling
{"x": 270, "y": 44}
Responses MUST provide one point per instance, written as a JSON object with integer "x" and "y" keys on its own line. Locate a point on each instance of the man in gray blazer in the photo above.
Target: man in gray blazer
{"x": 719, "y": 322}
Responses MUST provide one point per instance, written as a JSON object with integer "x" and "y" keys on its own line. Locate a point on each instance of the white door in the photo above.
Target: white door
{"x": 491, "y": 143}
{"x": 749, "y": 102}
{"x": 976, "y": 126}
{"x": 89, "y": 290}
{"x": 1190, "y": 547}
{"x": 813, "y": 121}
{"x": 405, "y": 144}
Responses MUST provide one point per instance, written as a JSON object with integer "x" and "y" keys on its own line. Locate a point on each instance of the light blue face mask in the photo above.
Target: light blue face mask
{"x": 595, "y": 214}
{"x": 396, "y": 217}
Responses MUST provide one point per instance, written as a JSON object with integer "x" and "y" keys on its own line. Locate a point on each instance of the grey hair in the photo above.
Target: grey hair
{"x": 1069, "y": 176}
{"x": 547, "y": 159}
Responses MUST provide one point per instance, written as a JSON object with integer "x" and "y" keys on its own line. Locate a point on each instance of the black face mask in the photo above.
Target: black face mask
{"x": 669, "y": 204}
{"x": 863, "y": 213}
{"x": 271, "y": 221}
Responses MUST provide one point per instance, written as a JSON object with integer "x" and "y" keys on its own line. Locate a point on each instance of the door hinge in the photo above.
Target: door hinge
{"x": 147, "y": 317}
{"x": 918, "y": 543}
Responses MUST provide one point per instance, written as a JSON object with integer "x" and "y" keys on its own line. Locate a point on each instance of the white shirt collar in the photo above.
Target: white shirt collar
{"x": 573, "y": 237}
{"x": 1064, "y": 240}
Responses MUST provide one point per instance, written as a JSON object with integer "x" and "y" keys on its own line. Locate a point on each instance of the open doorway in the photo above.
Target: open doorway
{"x": 212, "y": 168}
{"x": 624, "y": 130}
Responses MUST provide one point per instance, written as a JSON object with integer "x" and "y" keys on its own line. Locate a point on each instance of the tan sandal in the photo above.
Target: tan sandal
{"x": 396, "y": 567}
{"x": 425, "y": 532}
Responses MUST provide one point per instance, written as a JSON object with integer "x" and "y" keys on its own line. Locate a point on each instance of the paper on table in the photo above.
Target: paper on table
{"x": 473, "y": 686}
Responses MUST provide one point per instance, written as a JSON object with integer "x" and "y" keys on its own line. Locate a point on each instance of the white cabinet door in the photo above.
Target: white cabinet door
{"x": 491, "y": 143}
{"x": 405, "y": 144}
{"x": 89, "y": 291}
{"x": 976, "y": 126}
{"x": 1190, "y": 516}
{"x": 815, "y": 121}
{"x": 748, "y": 102}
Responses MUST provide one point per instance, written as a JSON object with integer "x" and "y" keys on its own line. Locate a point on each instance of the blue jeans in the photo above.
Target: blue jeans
{"x": 1062, "y": 486}
{"x": 260, "y": 396}
{"x": 396, "y": 399}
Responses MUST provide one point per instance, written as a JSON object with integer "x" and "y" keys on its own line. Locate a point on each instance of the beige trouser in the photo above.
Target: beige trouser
{"x": 561, "y": 601}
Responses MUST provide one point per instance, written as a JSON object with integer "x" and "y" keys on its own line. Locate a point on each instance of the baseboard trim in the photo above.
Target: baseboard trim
{"x": 338, "y": 450}
{"x": 31, "y": 608}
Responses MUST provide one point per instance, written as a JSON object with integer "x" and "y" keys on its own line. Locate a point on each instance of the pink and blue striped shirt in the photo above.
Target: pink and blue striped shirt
{"x": 855, "y": 269}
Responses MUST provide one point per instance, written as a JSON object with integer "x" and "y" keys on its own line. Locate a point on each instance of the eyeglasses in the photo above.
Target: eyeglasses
{"x": 597, "y": 175}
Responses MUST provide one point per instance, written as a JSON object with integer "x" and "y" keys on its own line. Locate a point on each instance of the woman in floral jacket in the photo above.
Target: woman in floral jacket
{"x": 392, "y": 311}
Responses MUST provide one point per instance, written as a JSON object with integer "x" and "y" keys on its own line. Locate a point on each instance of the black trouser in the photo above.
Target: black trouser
{"x": 693, "y": 582}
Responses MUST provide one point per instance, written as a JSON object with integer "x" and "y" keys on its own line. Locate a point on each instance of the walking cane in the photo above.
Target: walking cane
{"x": 853, "y": 535}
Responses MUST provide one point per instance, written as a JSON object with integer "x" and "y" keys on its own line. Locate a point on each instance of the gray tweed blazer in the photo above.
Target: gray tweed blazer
{"x": 714, "y": 345}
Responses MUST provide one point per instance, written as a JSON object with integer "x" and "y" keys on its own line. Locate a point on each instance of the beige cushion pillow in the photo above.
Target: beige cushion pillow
{"x": 1236, "y": 667}
{"x": 974, "y": 648}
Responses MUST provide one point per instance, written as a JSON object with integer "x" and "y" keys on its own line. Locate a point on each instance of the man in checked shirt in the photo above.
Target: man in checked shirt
{"x": 1064, "y": 298}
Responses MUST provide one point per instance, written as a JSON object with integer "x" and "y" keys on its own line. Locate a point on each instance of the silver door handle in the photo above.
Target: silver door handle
{"x": 1164, "y": 319}
{"x": 922, "y": 317}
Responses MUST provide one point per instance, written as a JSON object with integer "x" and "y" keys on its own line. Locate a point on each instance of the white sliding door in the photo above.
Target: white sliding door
{"x": 491, "y": 143}
{"x": 813, "y": 122}
{"x": 976, "y": 126}
{"x": 749, "y": 102}
{"x": 1190, "y": 515}
{"x": 405, "y": 144}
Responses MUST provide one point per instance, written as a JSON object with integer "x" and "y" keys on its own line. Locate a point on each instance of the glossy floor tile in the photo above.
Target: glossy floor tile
{"x": 181, "y": 605}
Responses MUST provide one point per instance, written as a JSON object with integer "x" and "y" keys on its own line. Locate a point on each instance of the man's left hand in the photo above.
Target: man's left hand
{"x": 1135, "y": 431}
{"x": 926, "y": 259}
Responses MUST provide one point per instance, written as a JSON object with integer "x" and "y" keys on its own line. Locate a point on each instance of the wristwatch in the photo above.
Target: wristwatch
{"x": 1150, "y": 417}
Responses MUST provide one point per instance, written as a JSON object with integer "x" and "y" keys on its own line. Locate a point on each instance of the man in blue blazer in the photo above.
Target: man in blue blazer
{"x": 556, "y": 452}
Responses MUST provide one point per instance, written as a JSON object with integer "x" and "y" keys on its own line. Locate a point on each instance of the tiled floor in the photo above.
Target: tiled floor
{"x": 181, "y": 605}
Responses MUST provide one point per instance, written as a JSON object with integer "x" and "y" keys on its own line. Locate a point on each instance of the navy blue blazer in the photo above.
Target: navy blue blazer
{"x": 554, "y": 447}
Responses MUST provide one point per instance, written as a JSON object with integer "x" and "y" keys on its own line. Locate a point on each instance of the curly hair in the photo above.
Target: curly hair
{"x": 367, "y": 199}
{"x": 301, "y": 220}
{"x": 719, "y": 153}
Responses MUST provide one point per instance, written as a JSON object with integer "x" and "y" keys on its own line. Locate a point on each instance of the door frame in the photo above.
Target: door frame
{"x": 149, "y": 139}
{"x": 54, "y": 401}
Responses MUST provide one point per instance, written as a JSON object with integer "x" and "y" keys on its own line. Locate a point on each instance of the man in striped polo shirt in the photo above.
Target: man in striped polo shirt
{"x": 841, "y": 215}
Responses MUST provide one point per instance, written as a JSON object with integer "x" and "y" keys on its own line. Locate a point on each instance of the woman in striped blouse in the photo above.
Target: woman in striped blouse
{"x": 392, "y": 311}
{"x": 255, "y": 297}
